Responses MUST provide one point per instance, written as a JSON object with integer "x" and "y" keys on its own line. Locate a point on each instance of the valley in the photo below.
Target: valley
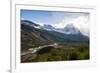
{"x": 42, "y": 44}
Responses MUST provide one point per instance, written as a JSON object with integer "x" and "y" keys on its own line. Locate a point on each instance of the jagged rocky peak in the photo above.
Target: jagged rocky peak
{"x": 71, "y": 28}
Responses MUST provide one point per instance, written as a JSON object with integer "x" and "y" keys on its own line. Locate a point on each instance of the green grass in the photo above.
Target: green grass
{"x": 62, "y": 54}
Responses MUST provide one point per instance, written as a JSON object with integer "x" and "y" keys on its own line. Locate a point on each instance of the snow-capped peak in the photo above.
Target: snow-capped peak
{"x": 71, "y": 29}
{"x": 48, "y": 27}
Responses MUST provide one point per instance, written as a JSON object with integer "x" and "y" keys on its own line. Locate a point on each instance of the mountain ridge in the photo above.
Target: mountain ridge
{"x": 30, "y": 35}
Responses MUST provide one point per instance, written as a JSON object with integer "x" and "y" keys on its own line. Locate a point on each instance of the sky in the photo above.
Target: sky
{"x": 58, "y": 19}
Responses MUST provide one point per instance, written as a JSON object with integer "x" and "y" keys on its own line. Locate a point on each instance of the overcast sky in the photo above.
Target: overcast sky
{"x": 57, "y": 19}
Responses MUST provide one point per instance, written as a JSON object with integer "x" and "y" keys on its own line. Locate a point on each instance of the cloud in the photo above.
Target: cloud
{"x": 80, "y": 20}
{"x": 22, "y": 18}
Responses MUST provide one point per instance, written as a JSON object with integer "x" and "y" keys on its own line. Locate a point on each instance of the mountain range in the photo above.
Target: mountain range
{"x": 33, "y": 34}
